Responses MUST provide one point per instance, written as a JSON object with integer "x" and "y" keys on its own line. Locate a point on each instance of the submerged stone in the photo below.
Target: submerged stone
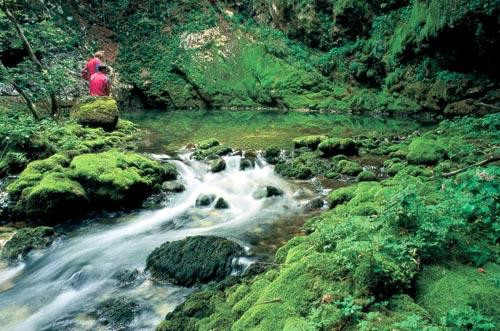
{"x": 117, "y": 312}
{"x": 173, "y": 186}
{"x": 194, "y": 260}
{"x": 25, "y": 240}
{"x": 205, "y": 200}
{"x": 221, "y": 203}
{"x": 267, "y": 192}
{"x": 96, "y": 112}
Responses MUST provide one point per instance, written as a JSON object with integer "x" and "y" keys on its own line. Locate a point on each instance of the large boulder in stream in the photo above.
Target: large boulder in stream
{"x": 336, "y": 146}
{"x": 26, "y": 240}
{"x": 194, "y": 260}
{"x": 267, "y": 192}
{"x": 55, "y": 189}
{"x": 117, "y": 312}
{"x": 96, "y": 112}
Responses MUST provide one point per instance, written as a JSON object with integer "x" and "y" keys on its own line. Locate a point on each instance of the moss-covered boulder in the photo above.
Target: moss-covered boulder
{"x": 336, "y": 146}
{"x": 271, "y": 155}
{"x": 211, "y": 153}
{"x": 116, "y": 179}
{"x": 209, "y": 143}
{"x": 310, "y": 142}
{"x": 349, "y": 168}
{"x": 425, "y": 151}
{"x": 221, "y": 203}
{"x": 44, "y": 191}
{"x": 194, "y": 260}
{"x": 96, "y": 112}
{"x": 366, "y": 176}
{"x": 26, "y": 240}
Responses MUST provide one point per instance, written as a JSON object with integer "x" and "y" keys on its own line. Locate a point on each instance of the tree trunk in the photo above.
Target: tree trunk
{"x": 27, "y": 99}
{"x": 32, "y": 55}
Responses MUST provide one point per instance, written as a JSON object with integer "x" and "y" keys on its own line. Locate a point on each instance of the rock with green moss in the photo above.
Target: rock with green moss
{"x": 340, "y": 196}
{"x": 310, "y": 142}
{"x": 12, "y": 163}
{"x": 247, "y": 163}
{"x": 218, "y": 165}
{"x": 194, "y": 260}
{"x": 336, "y": 146}
{"x": 425, "y": 151}
{"x": 211, "y": 153}
{"x": 366, "y": 176}
{"x": 25, "y": 240}
{"x": 209, "y": 143}
{"x": 272, "y": 155}
{"x": 350, "y": 168}
{"x": 96, "y": 112}
{"x": 116, "y": 179}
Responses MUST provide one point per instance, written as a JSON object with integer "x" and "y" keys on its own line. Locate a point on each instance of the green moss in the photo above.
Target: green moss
{"x": 211, "y": 153}
{"x": 310, "y": 142}
{"x": 425, "y": 151}
{"x": 350, "y": 168}
{"x": 341, "y": 195}
{"x": 366, "y": 176}
{"x": 206, "y": 144}
{"x": 441, "y": 289}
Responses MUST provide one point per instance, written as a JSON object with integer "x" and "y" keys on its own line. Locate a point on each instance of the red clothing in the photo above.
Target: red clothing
{"x": 100, "y": 85}
{"x": 91, "y": 68}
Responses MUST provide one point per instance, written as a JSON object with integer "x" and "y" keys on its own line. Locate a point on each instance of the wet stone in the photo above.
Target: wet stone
{"x": 173, "y": 186}
{"x": 267, "y": 192}
{"x": 314, "y": 204}
{"x": 221, "y": 204}
{"x": 205, "y": 200}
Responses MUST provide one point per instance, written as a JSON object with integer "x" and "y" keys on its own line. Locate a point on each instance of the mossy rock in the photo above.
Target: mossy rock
{"x": 25, "y": 240}
{"x": 291, "y": 169}
{"x": 218, "y": 165}
{"x": 247, "y": 163}
{"x": 209, "y": 143}
{"x": 310, "y": 142}
{"x": 336, "y": 146}
{"x": 366, "y": 176}
{"x": 425, "y": 151}
{"x": 96, "y": 112}
{"x": 115, "y": 178}
{"x": 205, "y": 200}
{"x": 194, "y": 260}
{"x": 349, "y": 168}
{"x": 211, "y": 153}
{"x": 340, "y": 196}
{"x": 272, "y": 155}
{"x": 221, "y": 203}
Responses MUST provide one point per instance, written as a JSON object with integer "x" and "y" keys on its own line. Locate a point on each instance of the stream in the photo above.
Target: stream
{"x": 60, "y": 287}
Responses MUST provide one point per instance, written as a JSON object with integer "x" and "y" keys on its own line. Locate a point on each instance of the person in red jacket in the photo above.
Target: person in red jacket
{"x": 92, "y": 64}
{"x": 100, "y": 84}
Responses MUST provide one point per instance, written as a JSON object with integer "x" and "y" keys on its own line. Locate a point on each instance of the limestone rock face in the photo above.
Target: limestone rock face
{"x": 194, "y": 260}
{"x": 96, "y": 112}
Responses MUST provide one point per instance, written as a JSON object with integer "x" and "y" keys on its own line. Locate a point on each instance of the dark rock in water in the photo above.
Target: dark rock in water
{"x": 314, "y": 204}
{"x": 194, "y": 260}
{"x": 26, "y": 240}
{"x": 205, "y": 200}
{"x": 211, "y": 153}
{"x": 247, "y": 163}
{"x": 173, "y": 186}
{"x": 126, "y": 278}
{"x": 250, "y": 154}
{"x": 117, "y": 312}
{"x": 237, "y": 153}
{"x": 267, "y": 192}
{"x": 218, "y": 165}
{"x": 272, "y": 155}
{"x": 221, "y": 204}
{"x": 96, "y": 112}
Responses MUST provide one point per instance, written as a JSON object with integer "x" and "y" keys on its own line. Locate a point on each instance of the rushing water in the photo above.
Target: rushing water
{"x": 59, "y": 287}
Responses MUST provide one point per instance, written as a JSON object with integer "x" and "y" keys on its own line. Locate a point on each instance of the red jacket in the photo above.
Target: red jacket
{"x": 100, "y": 85}
{"x": 90, "y": 68}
